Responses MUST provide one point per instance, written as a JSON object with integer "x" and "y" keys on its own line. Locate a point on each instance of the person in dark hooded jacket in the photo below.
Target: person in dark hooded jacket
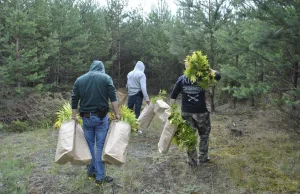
{"x": 195, "y": 112}
{"x": 94, "y": 90}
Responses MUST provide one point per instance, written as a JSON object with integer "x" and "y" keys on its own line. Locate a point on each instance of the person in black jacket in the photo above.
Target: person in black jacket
{"x": 194, "y": 111}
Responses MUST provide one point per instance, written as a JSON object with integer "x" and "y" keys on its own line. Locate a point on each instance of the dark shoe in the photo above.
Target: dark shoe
{"x": 192, "y": 163}
{"x": 204, "y": 161}
{"x": 106, "y": 179}
{"x": 91, "y": 176}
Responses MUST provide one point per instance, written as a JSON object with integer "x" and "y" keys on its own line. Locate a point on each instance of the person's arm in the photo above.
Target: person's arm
{"x": 116, "y": 109}
{"x": 74, "y": 115}
{"x": 176, "y": 90}
{"x": 112, "y": 93}
{"x": 144, "y": 88}
{"x": 75, "y": 100}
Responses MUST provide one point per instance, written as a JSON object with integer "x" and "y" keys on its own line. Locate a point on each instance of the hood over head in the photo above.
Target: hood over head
{"x": 139, "y": 66}
{"x": 97, "y": 66}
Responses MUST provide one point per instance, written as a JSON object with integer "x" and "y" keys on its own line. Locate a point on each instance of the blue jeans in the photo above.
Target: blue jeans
{"x": 95, "y": 131}
{"x": 136, "y": 102}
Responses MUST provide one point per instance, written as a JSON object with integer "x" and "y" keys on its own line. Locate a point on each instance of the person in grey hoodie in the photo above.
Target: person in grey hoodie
{"x": 137, "y": 89}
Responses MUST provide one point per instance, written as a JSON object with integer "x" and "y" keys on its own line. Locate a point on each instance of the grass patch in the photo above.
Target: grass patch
{"x": 13, "y": 176}
{"x": 265, "y": 161}
{"x": 261, "y": 161}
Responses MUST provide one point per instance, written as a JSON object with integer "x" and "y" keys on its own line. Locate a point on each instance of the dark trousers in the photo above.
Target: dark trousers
{"x": 135, "y": 102}
{"x": 201, "y": 123}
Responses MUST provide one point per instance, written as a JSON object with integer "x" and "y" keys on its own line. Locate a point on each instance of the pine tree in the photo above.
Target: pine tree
{"x": 202, "y": 19}
{"x": 72, "y": 41}
{"x": 19, "y": 54}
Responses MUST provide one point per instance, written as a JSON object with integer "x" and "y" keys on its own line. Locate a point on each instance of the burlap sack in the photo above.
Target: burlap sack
{"x": 146, "y": 116}
{"x": 81, "y": 152}
{"x": 116, "y": 142}
{"x": 166, "y": 138}
{"x": 162, "y": 110}
{"x": 72, "y": 146}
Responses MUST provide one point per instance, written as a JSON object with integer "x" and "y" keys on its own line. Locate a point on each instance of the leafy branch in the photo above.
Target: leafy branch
{"x": 184, "y": 136}
{"x": 199, "y": 70}
{"x": 64, "y": 114}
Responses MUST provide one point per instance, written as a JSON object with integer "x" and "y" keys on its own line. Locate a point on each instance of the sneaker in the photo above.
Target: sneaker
{"x": 106, "y": 179}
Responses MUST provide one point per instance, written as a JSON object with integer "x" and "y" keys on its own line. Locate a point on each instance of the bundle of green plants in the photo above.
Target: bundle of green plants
{"x": 198, "y": 69}
{"x": 161, "y": 96}
{"x": 184, "y": 136}
{"x": 127, "y": 115}
{"x": 65, "y": 114}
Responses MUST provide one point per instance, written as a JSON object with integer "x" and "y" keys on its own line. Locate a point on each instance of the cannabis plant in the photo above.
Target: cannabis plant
{"x": 65, "y": 114}
{"x": 184, "y": 136}
{"x": 198, "y": 69}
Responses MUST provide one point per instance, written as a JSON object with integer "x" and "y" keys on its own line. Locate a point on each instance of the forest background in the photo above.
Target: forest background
{"x": 46, "y": 44}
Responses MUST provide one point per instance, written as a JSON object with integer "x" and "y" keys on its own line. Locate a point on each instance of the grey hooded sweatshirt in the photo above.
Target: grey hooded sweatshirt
{"x": 136, "y": 81}
{"x": 93, "y": 89}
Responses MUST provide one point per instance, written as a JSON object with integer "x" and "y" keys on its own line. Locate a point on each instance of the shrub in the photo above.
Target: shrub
{"x": 19, "y": 126}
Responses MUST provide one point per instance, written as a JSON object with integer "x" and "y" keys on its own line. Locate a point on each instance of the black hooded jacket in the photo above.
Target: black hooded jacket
{"x": 193, "y": 97}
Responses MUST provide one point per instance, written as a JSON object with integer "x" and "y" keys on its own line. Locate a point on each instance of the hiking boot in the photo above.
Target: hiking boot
{"x": 106, "y": 179}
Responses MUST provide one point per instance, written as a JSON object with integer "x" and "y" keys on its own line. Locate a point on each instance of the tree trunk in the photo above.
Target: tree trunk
{"x": 236, "y": 64}
{"x": 119, "y": 62}
{"x": 18, "y": 59}
{"x": 212, "y": 60}
{"x": 252, "y": 100}
{"x": 295, "y": 80}
{"x": 212, "y": 99}
{"x": 296, "y": 75}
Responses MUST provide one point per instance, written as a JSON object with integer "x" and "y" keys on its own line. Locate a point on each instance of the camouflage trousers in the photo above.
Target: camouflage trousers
{"x": 201, "y": 123}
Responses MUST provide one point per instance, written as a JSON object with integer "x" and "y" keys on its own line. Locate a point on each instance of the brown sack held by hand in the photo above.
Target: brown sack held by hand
{"x": 166, "y": 138}
{"x": 72, "y": 146}
{"x": 146, "y": 116}
{"x": 116, "y": 143}
{"x": 65, "y": 142}
{"x": 81, "y": 152}
{"x": 162, "y": 110}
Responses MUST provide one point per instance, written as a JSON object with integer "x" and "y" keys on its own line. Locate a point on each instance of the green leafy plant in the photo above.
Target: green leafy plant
{"x": 184, "y": 136}
{"x": 127, "y": 115}
{"x": 64, "y": 114}
{"x": 161, "y": 96}
{"x": 199, "y": 70}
